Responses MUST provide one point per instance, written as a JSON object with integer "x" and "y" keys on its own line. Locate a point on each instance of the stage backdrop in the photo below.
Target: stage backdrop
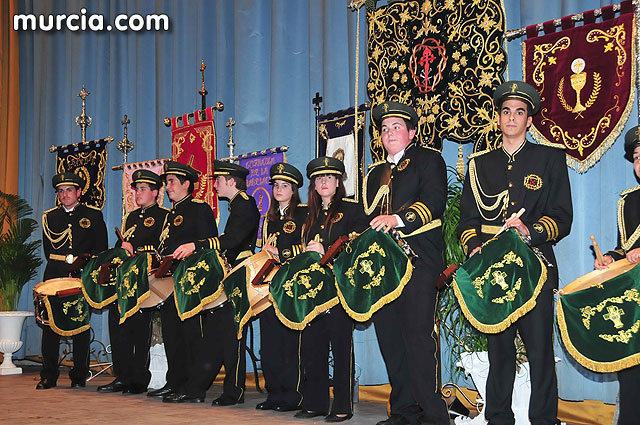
{"x": 265, "y": 61}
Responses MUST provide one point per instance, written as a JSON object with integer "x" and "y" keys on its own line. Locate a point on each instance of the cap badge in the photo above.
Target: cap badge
{"x": 326, "y": 162}
{"x": 385, "y": 106}
{"x": 280, "y": 168}
{"x": 514, "y": 86}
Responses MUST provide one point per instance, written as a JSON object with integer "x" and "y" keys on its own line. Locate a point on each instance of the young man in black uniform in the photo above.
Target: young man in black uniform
{"x": 188, "y": 220}
{"x": 68, "y": 230}
{"x": 236, "y": 243}
{"x": 629, "y": 248}
{"x": 130, "y": 340}
{"x": 498, "y": 184}
{"x": 408, "y": 192}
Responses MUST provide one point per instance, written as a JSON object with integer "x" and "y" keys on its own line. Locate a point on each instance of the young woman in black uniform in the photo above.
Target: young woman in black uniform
{"x": 280, "y": 346}
{"x": 330, "y": 216}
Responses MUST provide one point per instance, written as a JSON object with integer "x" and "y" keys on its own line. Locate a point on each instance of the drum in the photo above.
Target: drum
{"x": 597, "y": 277}
{"x": 258, "y": 295}
{"x": 63, "y": 286}
{"x": 159, "y": 290}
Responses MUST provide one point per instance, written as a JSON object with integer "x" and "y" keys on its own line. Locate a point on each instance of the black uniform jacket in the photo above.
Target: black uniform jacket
{"x": 418, "y": 194}
{"x": 628, "y": 223}
{"x": 88, "y": 235}
{"x": 348, "y": 218}
{"x": 288, "y": 231}
{"x": 241, "y": 231}
{"x": 498, "y": 184}
{"x": 188, "y": 221}
{"x": 142, "y": 227}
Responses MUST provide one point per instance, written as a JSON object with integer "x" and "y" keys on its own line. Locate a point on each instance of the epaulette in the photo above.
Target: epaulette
{"x": 199, "y": 201}
{"x": 370, "y": 166}
{"x": 92, "y": 207}
{"x": 244, "y": 195}
{"x": 552, "y": 145}
{"x": 626, "y": 192}
{"x": 477, "y": 154}
{"x": 432, "y": 148}
{"x": 353, "y": 201}
{"x": 49, "y": 210}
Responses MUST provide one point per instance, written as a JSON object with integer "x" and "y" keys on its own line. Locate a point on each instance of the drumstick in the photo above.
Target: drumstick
{"x": 596, "y": 248}
{"x": 504, "y": 227}
{"x": 119, "y": 234}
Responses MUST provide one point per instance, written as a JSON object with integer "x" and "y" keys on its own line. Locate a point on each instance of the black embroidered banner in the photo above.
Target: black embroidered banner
{"x": 444, "y": 58}
{"x": 89, "y": 161}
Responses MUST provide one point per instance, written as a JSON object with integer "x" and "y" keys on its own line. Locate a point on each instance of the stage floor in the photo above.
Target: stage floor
{"x": 22, "y": 404}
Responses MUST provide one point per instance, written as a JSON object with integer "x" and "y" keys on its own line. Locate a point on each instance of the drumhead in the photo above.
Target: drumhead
{"x": 597, "y": 277}
{"x": 159, "y": 290}
{"x": 52, "y": 286}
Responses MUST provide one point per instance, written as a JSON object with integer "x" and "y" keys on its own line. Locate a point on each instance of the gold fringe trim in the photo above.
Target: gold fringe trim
{"x": 59, "y": 331}
{"x": 96, "y": 304}
{"x": 133, "y": 310}
{"x": 511, "y": 318}
{"x": 249, "y": 312}
{"x": 392, "y": 296}
{"x": 596, "y": 366}
{"x": 595, "y": 156}
{"x": 308, "y": 318}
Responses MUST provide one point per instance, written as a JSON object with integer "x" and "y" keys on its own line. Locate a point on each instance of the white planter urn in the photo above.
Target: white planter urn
{"x": 10, "y": 332}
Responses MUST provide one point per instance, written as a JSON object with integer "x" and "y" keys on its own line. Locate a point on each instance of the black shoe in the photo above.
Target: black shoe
{"x": 45, "y": 384}
{"x": 394, "y": 420}
{"x": 266, "y": 405}
{"x": 225, "y": 400}
{"x": 335, "y": 418}
{"x": 134, "y": 389}
{"x": 115, "y": 386}
{"x": 306, "y": 414}
{"x": 78, "y": 384}
{"x": 164, "y": 391}
{"x": 181, "y": 398}
{"x": 286, "y": 407}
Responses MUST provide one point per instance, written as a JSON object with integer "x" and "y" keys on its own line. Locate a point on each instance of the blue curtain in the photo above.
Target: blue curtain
{"x": 265, "y": 61}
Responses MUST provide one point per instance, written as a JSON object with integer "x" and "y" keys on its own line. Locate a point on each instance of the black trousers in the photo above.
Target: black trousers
{"x": 335, "y": 328}
{"x": 405, "y": 331}
{"x": 51, "y": 354}
{"x": 116, "y": 338}
{"x": 536, "y": 330}
{"x": 212, "y": 342}
{"x": 134, "y": 360}
{"x": 174, "y": 340}
{"x": 280, "y": 359}
{"x": 629, "y": 396}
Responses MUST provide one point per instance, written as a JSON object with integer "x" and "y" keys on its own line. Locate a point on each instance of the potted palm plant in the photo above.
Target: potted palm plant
{"x": 19, "y": 262}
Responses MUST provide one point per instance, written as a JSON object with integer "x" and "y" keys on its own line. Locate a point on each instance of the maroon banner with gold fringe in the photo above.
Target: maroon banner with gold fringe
{"x": 586, "y": 80}
{"x": 194, "y": 143}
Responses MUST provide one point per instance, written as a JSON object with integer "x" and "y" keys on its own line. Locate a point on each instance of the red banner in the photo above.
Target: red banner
{"x": 195, "y": 144}
{"x": 586, "y": 79}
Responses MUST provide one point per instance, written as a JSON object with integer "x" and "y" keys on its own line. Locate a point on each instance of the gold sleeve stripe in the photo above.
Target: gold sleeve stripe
{"x": 420, "y": 213}
{"x": 214, "y": 243}
{"x": 547, "y": 227}
{"x": 421, "y": 206}
{"x": 553, "y": 234}
{"x": 467, "y": 235}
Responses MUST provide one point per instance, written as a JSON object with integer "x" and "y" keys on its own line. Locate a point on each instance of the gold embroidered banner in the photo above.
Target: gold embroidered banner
{"x": 443, "y": 58}
{"x": 89, "y": 161}
{"x": 127, "y": 177}
{"x": 195, "y": 144}
{"x": 586, "y": 80}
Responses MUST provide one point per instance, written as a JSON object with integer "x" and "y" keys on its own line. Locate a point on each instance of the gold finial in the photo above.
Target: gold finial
{"x": 203, "y": 91}
{"x": 83, "y": 120}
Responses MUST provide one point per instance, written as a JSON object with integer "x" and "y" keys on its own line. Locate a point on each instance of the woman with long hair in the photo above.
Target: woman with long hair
{"x": 280, "y": 346}
{"x": 330, "y": 216}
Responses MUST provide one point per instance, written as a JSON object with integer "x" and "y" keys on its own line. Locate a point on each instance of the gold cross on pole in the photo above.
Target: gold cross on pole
{"x": 230, "y": 144}
{"x": 83, "y": 120}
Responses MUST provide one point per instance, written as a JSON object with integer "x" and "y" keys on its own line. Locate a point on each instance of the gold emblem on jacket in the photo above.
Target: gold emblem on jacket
{"x": 85, "y": 223}
{"x": 286, "y": 253}
{"x": 289, "y": 227}
{"x": 178, "y": 220}
{"x": 410, "y": 216}
{"x": 538, "y": 227}
{"x": 149, "y": 221}
{"x": 337, "y": 218}
{"x": 532, "y": 182}
{"x": 404, "y": 164}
